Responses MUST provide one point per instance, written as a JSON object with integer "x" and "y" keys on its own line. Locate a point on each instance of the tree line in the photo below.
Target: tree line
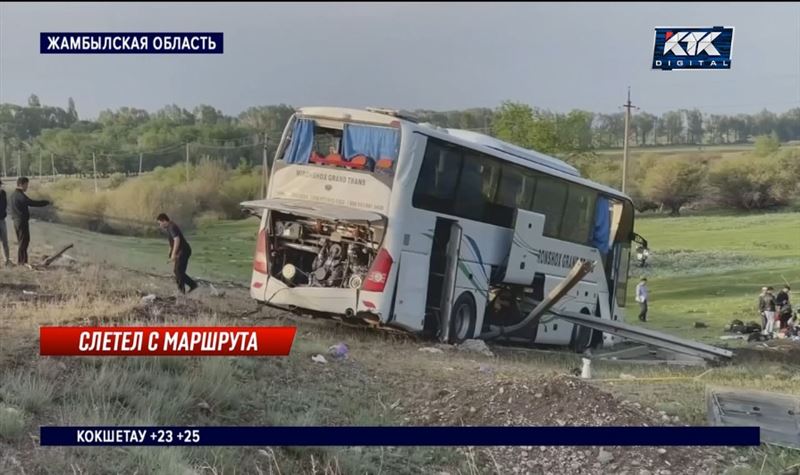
{"x": 122, "y": 140}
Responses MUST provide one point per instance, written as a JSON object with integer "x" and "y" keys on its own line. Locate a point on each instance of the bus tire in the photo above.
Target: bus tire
{"x": 581, "y": 336}
{"x": 462, "y": 318}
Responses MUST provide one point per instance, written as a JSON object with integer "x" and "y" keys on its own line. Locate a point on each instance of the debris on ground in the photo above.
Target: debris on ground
{"x": 319, "y": 359}
{"x": 700, "y": 325}
{"x": 339, "y": 351}
{"x": 555, "y": 401}
{"x": 216, "y": 292}
{"x": 148, "y": 299}
{"x": 476, "y": 346}
{"x": 429, "y": 349}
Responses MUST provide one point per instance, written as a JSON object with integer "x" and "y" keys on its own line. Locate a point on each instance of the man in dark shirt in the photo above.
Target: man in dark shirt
{"x": 3, "y": 228}
{"x": 179, "y": 253}
{"x": 21, "y": 216}
{"x": 784, "y": 306}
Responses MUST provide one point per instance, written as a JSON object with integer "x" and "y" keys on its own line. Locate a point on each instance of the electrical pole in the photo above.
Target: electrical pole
{"x": 187, "y": 162}
{"x": 628, "y": 106}
{"x": 53, "y": 164}
{"x": 40, "y": 166}
{"x": 264, "y": 169}
{"x": 19, "y": 163}
{"x": 5, "y": 171}
{"x": 94, "y": 167}
{"x": 140, "y": 163}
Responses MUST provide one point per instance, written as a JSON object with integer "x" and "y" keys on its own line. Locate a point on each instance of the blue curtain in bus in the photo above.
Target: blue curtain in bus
{"x": 602, "y": 225}
{"x": 374, "y": 142}
{"x": 302, "y": 142}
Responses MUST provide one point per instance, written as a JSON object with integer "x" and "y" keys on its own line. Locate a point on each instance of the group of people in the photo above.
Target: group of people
{"x": 19, "y": 205}
{"x": 776, "y": 310}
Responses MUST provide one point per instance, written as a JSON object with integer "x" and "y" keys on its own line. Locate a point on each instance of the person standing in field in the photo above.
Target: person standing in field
{"x": 783, "y": 307}
{"x": 3, "y": 228}
{"x": 21, "y": 216}
{"x": 769, "y": 311}
{"x": 762, "y": 307}
{"x": 643, "y": 297}
{"x": 179, "y": 253}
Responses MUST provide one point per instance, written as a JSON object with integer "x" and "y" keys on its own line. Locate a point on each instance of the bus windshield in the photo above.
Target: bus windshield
{"x": 343, "y": 145}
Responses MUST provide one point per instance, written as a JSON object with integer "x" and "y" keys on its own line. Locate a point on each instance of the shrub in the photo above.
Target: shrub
{"x": 116, "y": 180}
{"x": 674, "y": 183}
{"x": 767, "y": 144}
{"x": 743, "y": 183}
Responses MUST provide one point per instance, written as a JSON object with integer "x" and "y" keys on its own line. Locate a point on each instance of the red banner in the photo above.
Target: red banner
{"x": 166, "y": 341}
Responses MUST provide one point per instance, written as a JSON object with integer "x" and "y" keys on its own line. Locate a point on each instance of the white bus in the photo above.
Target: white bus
{"x": 368, "y": 213}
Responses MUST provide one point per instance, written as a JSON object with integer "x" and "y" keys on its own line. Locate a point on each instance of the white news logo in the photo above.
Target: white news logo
{"x": 696, "y": 43}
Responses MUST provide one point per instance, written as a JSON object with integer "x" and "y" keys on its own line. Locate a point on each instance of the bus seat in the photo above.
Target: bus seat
{"x": 358, "y": 162}
{"x": 316, "y": 158}
{"x": 334, "y": 159}
{"x": 384, "y": 164}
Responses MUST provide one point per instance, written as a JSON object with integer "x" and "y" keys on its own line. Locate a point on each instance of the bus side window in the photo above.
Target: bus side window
{"x": 470, "y": 201}
{"x": 549, "y": 200}
{"x": 438, "y": 176}
{"x": 509, "y": 193}
{"x": 578, "y": 215}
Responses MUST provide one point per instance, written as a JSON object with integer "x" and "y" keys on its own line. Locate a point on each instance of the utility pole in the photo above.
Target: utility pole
{"x": 187, "y": 162}
{"x": 264, "y": 169}
{"x": 53, "y": 164}
{"x": 140, "y": 163}
{"x": 40, "y": 166}
{"x": 19, "y": 163}
{"x": 628, "y": 106}
{"x": 5, "y": 170}
{"x": 94, "y": 167}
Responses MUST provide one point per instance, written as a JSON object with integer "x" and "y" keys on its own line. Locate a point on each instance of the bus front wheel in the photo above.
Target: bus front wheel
{"x": 462, "y": 318}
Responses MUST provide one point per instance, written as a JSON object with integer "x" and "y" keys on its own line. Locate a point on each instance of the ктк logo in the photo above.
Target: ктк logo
{"x": 693, "y": 48}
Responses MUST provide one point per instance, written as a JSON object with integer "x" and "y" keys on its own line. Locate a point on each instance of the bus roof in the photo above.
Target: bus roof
{"x": 511, "y": 149}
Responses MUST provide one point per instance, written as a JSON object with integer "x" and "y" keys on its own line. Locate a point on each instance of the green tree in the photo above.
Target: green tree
{"x": 33, "y": 101}
{"x": 674, "y": 183}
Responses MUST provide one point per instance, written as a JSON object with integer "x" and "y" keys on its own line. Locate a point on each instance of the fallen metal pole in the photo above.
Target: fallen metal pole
{"x": 575, "y": 275}
{"x": 646, "y": 336}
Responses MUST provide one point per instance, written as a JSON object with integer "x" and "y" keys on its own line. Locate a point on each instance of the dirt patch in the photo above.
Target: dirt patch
{"x": 558, "y": 401}
{"x": 778, "y": 350}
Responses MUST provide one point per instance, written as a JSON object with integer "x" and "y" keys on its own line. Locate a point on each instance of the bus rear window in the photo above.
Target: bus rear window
{"x": 354, "y": 146}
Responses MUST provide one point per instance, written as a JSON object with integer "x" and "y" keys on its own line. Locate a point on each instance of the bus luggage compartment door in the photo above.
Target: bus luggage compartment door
{"x": 524, "y": 254}
{"x": 412, "y": 285}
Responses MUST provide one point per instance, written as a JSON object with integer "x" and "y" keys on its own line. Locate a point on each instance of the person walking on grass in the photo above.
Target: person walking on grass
{"x": 643, "y": 297}
{"x": 179, "y": 253}
{"x": 21, "y": 216}
{"x": 3, "y": 228}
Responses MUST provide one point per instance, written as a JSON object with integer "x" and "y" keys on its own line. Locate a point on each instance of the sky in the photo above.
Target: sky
{"x": 405, "y": 56}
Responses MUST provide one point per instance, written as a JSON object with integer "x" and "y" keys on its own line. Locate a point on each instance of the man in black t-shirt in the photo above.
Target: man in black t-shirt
{"x": 179, "y": 253}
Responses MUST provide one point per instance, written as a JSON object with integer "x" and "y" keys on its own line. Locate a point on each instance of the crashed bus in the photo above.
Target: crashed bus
{"x": 371, "y": 215}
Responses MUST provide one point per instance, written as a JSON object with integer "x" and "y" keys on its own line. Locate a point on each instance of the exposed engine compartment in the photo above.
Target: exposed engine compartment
{"x": 321, "y": 253}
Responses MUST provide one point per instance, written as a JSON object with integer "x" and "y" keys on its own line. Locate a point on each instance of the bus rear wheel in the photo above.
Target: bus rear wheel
{"x": 462, "y": 319}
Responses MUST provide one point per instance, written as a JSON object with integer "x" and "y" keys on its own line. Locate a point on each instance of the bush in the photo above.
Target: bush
{"x": 130, "y": 206}
{"x": 743, "y": 183}
{"x": 116, "y": 180}
{"x": 674, "y": 183}
{"x": 767, "y": 144}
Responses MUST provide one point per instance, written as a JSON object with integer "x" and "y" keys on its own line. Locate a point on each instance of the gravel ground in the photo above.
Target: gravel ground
{"x": 561, "y": 401}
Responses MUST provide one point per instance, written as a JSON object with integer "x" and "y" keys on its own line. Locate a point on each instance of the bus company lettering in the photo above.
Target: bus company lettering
{"x": 317, "y": 175}
{"x": 557, "y": 259}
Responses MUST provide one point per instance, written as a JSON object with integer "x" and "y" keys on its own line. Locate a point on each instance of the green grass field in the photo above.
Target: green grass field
{"x": 711, "y": 269}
